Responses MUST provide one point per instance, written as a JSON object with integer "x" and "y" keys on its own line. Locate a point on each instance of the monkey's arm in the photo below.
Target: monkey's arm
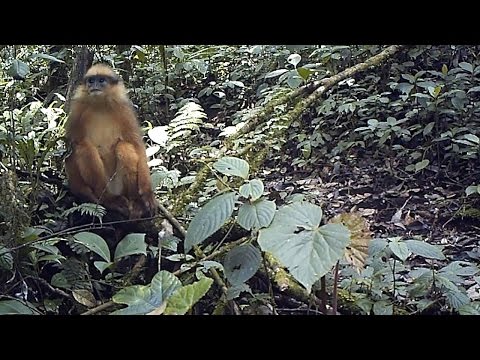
{"x": 86, "y": 172}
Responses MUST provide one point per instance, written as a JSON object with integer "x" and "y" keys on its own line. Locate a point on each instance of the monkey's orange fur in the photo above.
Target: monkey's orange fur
{"x": 108, "y": 164}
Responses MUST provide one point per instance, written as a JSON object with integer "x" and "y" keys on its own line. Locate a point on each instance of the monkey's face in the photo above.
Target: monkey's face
{"x": 98, "y": 84}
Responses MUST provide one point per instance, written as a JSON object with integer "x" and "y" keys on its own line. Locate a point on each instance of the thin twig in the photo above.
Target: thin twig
{"x": 335, "y": 291}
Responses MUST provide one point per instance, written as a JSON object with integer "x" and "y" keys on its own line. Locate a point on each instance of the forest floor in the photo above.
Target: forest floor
{"x": 431, "y": 206}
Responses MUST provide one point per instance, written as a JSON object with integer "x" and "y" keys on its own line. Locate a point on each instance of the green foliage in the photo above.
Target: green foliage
{"x": 389, "y": 274}
{"x": 184, "y": 298}
{"x": 130, "y": 245}
{"x": 15, "y": 307}
{"x": 307, "y": 249}
{"x": 165, "y": 294}
{"x": 94, "y": 243}
{"x": 412, "y": 117}
{"x": 89, "y": 209}
{"x": 209, "y": 219}
{"x": 241, "y": 263}
{"x": 232, "y": 166}
{"x": 257, "y": 214}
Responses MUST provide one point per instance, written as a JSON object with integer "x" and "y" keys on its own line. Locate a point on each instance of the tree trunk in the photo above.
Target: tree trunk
{"x": 83, "y": 61}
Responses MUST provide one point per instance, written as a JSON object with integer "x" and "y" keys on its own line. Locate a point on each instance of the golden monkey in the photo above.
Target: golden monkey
{"x": 108, "y": 163}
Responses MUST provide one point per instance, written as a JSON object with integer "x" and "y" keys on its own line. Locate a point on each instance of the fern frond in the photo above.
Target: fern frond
{"x": 188, "y": 119}
{"x": 90, "y": 209}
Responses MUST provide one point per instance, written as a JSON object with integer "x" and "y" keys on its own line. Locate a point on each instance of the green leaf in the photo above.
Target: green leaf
{"x": 256, "y": 215}
{"x": 456, "y": 298}
{"x": 297, "y": 241}
{"x": 6, "y": 258}
{"x": 466, "y": 66}
{"x": 428, "y": 128}
{"x": 459, "y": 103}
{"x": 144, "y": 299}
{"x": 424, "y": 249}
{"x": 434, "y": 90}
{"x": 235, "y": 290}
{"x": 409, "y": 78}
{"x": 253, "y": 189}
{"x": 474, "y": 89}
{"x": 444, "y": 69}
{"x": 304, "y": 73}
{"x": 209, "y": 219}
{"x": 241, "y": 263}
{"x": 229, "y": 165}
{"x": 468, "y": 309}
{"x": 94, "y": 243}
{"x": 137, "y": 297}
{"x": 472, "y": 138}
{"x": 184, "y": 298}
{"x": 102, "y": 265}
{"x": 152, "y": 150}
{"x": 47, "y": 57}
{"x": 15, "y": 307}
{"x": 130, "y": 245}
{"x": 59, "y": 280}
{"x": 365, "y": 305}
{"x": 18, "y": 70}
{"x": 294, "y": 81}
{"x": 376, "y": 246}
{"x": 275, "y": 73}
{"x": 472, "y": 189}
{"x": 158, "y": 135}
{"x": 400, "y": 249}
{"x": 51, "y": 257}
{"x": 382, "y": 308}
{"x": 405, "y": 88}
{"x": 421, "y": 165}
{"x": 294, "y": 59}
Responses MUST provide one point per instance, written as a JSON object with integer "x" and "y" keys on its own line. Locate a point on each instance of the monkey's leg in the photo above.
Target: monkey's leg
{"x": 129, "y": 160}
{"x": 90, "y": 169}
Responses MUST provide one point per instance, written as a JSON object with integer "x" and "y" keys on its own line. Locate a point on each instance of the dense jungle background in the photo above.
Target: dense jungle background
{"x": 293, "y": 179}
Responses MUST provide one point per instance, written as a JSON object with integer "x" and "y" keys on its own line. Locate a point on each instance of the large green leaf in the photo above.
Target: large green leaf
{"x": 229, "y": 165}
{"x": 6, "y": 258}
{"x": 143, "y": 299}
{"x": 241, "y": 263}
{"x": 256, "y": 215}
{"x": 252, "y": 190}
{"x": 130, "y": 245}
{"x": 399, "y": 248}
{"x": 308, "y": 250}
{"x": 9, "y": 307}
{"x": 94, "y": 243}
{"x": 209, "y": 219}
{"x": 18, "y": 70}
{"x": 184, "y": 298}
{"x": 423, "y": 249}
{"x": 139, "y": 299}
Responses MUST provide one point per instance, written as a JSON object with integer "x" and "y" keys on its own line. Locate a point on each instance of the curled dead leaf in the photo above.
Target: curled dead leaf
{"x": 360, "y": 236}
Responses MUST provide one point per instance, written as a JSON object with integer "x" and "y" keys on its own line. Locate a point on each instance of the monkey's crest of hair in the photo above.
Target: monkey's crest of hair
{"x": 111, "y": 92}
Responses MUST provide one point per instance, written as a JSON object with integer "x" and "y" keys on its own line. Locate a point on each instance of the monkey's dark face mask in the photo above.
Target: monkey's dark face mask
{"x": 96, "y": 84}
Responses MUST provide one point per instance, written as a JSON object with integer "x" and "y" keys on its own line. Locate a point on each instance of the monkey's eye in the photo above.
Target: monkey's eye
{"x": 102, "y": 80}
{"x": 91, "y": 81}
